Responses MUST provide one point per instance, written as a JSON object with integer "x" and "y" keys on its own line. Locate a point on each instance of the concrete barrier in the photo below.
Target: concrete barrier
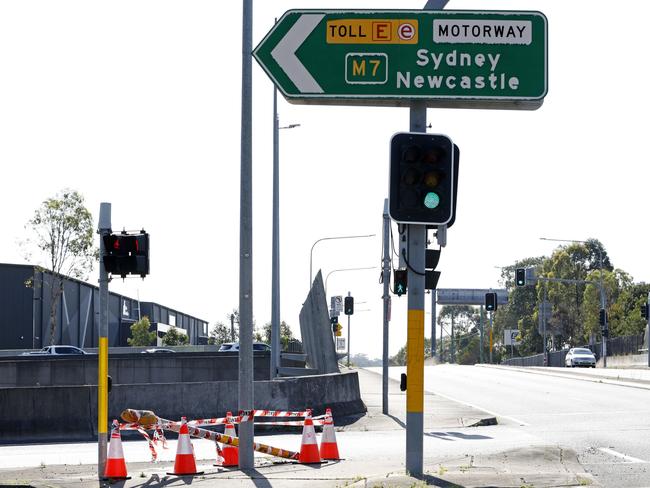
{"x": 129, "y": 368}
{"x": 69, "y": 413}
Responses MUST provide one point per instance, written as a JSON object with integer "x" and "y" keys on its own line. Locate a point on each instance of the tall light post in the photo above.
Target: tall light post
{"x": 602, "y": 290}
{"x": 311, "y": 253}
{"x": 275, "y": 265}
{"x": 345, "y": 269}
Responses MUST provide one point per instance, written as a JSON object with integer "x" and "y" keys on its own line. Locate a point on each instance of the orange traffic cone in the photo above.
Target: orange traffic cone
{"x": 185, "y": 464}
{"x": 230, "y": 453}
{"x": 309, "y": 447}
{"x": 115, "y": 465}
{"x": 328, "y": 447}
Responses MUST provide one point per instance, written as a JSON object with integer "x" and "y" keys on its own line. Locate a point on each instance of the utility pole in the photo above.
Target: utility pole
{"x": 349, "y": 294}
{"x": 415, "y": 336}
{"x": 434, "y": 294}
{"x": 481, "y": 323}
{"x": 386, "y": 297}
{"x": 245, "y": 386}
{"x": 102, "y": 368}
{"x": 453, "y": 339}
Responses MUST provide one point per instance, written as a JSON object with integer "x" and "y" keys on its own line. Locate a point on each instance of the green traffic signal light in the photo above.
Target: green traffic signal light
{"x": 422, "y": 181}
{"x": 431, "y": 200}
{"x": 520, "y": 276}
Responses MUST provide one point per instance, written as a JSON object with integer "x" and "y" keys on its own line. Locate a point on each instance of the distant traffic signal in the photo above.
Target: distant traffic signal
{"x": 644, "y": 311}
{"x": 421, "y": 178}
{"x": 520, "y": 276}
{"x": 348, "y": 305}
{"x": 126, "y": 254}
{"x": 602, "y": 317}
{"x": 339, "y": 330}
{"x": 491, "y": 301}
{"x": 400, "y": 281}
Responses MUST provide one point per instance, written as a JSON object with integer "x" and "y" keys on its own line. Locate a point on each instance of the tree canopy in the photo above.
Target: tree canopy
{"x": 61, "y": 234}
{"x": 570, "y": 280}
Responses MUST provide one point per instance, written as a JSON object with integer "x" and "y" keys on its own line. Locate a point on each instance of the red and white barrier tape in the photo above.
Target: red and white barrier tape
{"x": 297, "y": 423}
{"x": 246, "y": 415}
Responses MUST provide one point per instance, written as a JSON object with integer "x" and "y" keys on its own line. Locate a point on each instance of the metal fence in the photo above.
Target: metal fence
{"x": 294, "y": 346}
{"x": 616, "y": 346}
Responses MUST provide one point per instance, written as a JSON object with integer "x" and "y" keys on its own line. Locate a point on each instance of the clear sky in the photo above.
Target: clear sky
{"x": 138, "y": 103}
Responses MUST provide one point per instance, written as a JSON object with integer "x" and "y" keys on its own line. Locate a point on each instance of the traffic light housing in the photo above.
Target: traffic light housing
{"x": 421, "y": 178}
{"x": 644, "y": 311}
{"x": 602, "y": 317}
{"x": 400, "y": 280}
{"x": 339, "y": 330}
{"x": 348, "y": 305}
{"x": 126, "y": 254}
{"x": 520, "y": 276}
{"x": 334, "y": 321}
{"x": 491, "y": 301}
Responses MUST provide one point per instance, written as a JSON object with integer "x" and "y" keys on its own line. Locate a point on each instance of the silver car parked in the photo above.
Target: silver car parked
{"x": 580, "y": 356}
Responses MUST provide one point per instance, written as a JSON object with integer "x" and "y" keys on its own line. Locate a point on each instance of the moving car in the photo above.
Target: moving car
{"x": 156, "y": 350}
{"x": 56, "y": 351}
{"x": 580, "y": 356}
{"x": 234, "y": 346}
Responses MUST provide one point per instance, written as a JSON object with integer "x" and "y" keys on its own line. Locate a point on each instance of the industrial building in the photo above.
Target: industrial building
{"x": 25, "y": 296}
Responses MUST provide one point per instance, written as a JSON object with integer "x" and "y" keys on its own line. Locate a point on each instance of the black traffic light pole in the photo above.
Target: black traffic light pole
{"x": 348, "y": 309}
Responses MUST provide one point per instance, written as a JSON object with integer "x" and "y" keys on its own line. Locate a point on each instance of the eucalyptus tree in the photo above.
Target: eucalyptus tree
{"x": 61, "y": 234}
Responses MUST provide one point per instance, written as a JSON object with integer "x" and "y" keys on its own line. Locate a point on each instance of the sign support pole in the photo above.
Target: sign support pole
{"x": 349, "y": 336}
{"x": 417, "y": 237}
{"x": 434, "y": 295}
{"x": 102, "y": 367}
{"x": 386, "y": 297}
{"x": 245, "y": 387}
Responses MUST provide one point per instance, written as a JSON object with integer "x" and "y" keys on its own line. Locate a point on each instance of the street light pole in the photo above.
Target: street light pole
{"x": 275, "y": 262}
{"x": 328, "y": 239}
{"x": 345, "y": 269}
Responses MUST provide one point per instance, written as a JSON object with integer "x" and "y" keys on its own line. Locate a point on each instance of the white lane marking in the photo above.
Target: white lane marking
{"x": 614, "y": 453}
{"x": 478, "y": 407}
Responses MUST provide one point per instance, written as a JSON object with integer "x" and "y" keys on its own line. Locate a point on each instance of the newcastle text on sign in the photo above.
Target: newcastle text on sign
{"x": 389, "y": 57}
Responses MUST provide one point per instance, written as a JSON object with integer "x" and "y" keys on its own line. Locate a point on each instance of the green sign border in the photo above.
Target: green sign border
{"x": 262, "y": 54}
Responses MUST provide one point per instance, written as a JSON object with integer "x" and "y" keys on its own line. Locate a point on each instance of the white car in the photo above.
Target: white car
{"x": 580, "y": 356}
{"x": 56, "y": 351}
{"x": 234, "y": 347}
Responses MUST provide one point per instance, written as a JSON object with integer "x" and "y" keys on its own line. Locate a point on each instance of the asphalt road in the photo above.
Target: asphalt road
{"x": 606, "y": 424}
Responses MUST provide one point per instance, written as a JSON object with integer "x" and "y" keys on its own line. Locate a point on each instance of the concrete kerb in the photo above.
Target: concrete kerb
{"x": 643, "y": 384}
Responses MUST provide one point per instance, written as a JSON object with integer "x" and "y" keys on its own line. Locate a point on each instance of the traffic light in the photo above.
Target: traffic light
{"x": 491, "y": 301}
{"x": 339, "y": 330}
{"x": 401, "y": 277}
{"x": 334, "y": 321}
{"x": 520, "y": 276}
{"x": 421, "y": 178}
{"x": 431, "y": 278}
{"x": 644, "y": 311}
{"x": 126, "y": 254}
{"x": 602, "y": 317}
{"x": 348, "y": 305}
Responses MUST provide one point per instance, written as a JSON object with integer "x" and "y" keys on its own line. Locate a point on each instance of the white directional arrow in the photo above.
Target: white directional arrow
{"x": 285, "y": 53}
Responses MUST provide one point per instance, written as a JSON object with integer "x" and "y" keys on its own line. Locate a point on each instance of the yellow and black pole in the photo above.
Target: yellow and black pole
{"x": 104, "y": 228}
{"x": 416, "y": 250}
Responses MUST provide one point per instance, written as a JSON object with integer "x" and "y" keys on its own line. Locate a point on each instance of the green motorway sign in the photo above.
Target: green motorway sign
{"x": 448, "y": 58}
